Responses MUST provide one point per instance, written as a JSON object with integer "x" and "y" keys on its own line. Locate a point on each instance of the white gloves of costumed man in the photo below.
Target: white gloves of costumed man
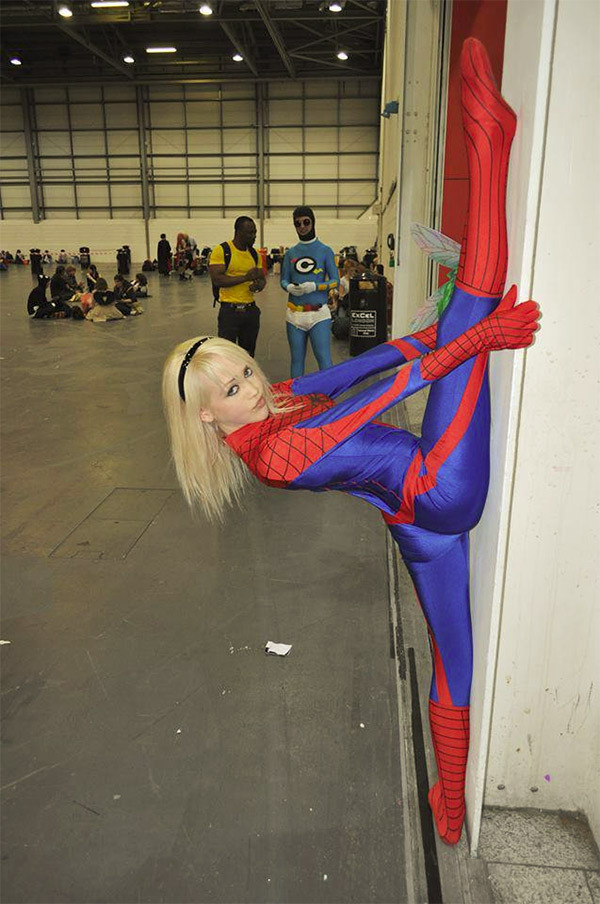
{"x": 303, "y": 289}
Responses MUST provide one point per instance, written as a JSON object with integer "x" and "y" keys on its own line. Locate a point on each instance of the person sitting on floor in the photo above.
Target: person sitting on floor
{"x": 92, "y": 276}
{"x": 140, "y": 285}
{"x": 125, "y": 297}
{"x": 59, "y": 288}
{"x": 71, "y": 279}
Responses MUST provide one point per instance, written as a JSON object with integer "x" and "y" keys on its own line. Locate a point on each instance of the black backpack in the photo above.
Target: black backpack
{"x": 227, "y": 256}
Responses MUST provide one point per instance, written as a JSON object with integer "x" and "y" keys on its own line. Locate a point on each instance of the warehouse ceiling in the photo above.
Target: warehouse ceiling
{"x": 278, "y": 40}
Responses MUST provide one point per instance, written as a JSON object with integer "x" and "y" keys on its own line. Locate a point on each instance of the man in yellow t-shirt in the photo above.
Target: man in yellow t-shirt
{"x": 237, "y": 279}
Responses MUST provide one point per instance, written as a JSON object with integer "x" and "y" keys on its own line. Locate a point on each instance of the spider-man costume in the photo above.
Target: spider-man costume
{"x": 431, "y": 490}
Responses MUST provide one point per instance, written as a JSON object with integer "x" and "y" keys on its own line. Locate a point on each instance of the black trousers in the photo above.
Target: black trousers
{"x": 240, "y": 324}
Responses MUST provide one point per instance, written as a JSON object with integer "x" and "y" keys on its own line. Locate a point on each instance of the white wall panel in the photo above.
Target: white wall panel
{"x": 239, "y": 141}
{"x": 237, "y": 90}
{"x": 88, "y": 142}
{"x": 12, "y": 116}
{"x": 92, "y": 195}
{"x": 360, "y": 193}
{"x": 358, "y": 139}
{"x": 86, "y": 115}
{"x": 285, "y": 167}
{"x": 90, "y": 213}
{"x": 119, "y": 92}
{"x": 318, "y": 112}
{"x": 171, "y": 114}
{"x": 121, "y": 115}
{"x": 126, "y": 195}
{"x": 165, "y": 142}
{"x": 174, "y": 194}
{"x": 16, "y": 196}
{"x": 202, "y": 92}
{"x": 285, "y": 89}
{"x": 208, "y": 194}
{"x": 10, "y": 96}
{"x": 239, "y": 113}
{"x": 167, "y": 109}
{"x": 90, "y": 168}
{"x": 59, "y": 196}
{"x": 56, "y": 167}
{"x": 359, "y": 166}
{"x": 206, "y": 141}
{"x": 285, "y": 112}
{"x": 358, "y": 112}
{"x": 85, "y": 94}
{"x": 285, "y": 193}
{"x": 12, "y": 144}
{"x": 321, "y": 167}
{"x": 124, "y": 167}
{"x": 203, "y": 114}
{"x": 54, "y": 143}
{"x": 123, "y": 142}
{"x": 284, "y": 140}
{"x": 320, "y": 139}
{"x": 241, "y": 196}
{"x": 51, "y": 116}
{"x": 46, "y": 95}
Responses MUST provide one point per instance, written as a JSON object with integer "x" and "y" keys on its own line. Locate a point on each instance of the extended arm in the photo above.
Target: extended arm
{"x": 341, "y": 377}
{"x": 508, "y": 327}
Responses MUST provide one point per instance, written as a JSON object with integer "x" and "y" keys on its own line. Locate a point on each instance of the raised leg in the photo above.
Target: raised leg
{"x": 444, "y": 490}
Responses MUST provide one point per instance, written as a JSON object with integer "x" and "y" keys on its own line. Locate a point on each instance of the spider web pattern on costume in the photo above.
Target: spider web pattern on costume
{"x": 276, "y": 453}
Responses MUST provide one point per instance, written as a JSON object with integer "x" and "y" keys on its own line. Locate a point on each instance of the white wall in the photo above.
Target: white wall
{"x": 535, "y": 569}
{"x": 319, "y": 145}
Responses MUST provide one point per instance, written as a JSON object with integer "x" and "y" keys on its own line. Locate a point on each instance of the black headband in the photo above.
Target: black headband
{"x": 185, "y": 363}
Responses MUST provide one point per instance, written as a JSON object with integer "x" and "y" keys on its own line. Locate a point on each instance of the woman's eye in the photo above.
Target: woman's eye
{"x": 248, "y": 372}
{"x": 232, "y": 389}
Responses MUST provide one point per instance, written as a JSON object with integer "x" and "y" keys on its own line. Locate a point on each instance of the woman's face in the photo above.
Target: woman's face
{"x": 238, "y": 400}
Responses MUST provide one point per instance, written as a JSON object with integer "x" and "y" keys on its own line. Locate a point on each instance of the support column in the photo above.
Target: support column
{"x": 260, "y": 148}
{"x": 26, "y": 102}
{"x": 143, "y": 143}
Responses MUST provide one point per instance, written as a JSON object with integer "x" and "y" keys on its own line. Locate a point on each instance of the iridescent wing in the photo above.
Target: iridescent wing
{"x": 436, "y": 245}
{"x": 428, "y": 312}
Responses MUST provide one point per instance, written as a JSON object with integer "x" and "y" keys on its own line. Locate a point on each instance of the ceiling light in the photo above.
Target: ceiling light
{"x": 65, "y": 11}
{"x": 16, "y": 60}
{"x": 335, "y": 7}
{"x": 99, "y": 4}
{"x": 342, "y": 55}
{"x": 238, "y": 57}
{"x": 128, "y": 58}
{"x": 161, "y": 50}
{"x": 206, "y": 9}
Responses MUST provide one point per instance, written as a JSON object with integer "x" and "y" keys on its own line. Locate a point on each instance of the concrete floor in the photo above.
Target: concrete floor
{"x": 152, "y": 752}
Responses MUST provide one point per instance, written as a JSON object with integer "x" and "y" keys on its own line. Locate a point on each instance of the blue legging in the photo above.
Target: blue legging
{"x": 320, "y": 340}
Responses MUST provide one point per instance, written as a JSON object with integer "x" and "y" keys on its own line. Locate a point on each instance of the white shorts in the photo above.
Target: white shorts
{"x": 305, "y": 320}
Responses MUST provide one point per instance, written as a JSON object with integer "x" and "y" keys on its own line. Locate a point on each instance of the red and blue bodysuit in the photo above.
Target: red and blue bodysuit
{"x": 430, "y": 489}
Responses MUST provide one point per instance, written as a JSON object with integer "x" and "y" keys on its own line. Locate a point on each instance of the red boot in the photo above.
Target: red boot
{"x": 450, "y": 734}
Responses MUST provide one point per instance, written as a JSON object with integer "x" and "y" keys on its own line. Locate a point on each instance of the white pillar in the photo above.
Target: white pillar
{"x": 536, "y": 594}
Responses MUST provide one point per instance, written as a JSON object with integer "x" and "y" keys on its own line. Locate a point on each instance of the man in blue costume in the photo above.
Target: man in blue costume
{"x": 308, "y": 273}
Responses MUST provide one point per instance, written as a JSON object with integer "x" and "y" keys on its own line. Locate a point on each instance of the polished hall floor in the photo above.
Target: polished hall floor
{"x": 152, "y": 751}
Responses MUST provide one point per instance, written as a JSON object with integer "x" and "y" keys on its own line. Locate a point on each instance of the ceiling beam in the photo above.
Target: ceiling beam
{"x": 275, "y": 37}
{"x": 239, "y": 46}
{"x": 94, "y": 49}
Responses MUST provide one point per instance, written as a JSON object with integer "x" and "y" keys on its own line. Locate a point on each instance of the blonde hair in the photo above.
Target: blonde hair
{"x": 210, "y": 473}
